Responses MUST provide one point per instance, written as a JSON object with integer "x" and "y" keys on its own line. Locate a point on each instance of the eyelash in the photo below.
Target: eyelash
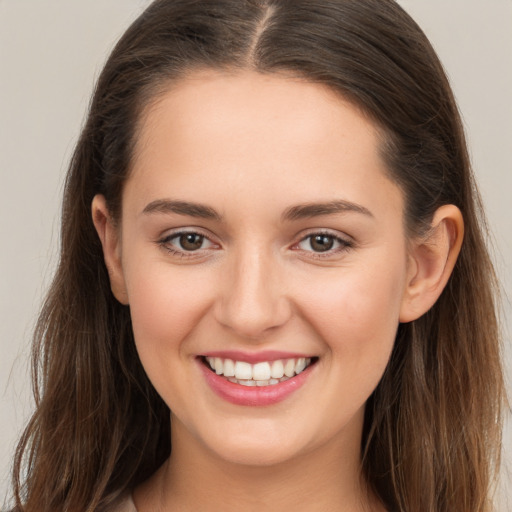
{"x": 344, "y": 244}
{"x": 183, "y": 253}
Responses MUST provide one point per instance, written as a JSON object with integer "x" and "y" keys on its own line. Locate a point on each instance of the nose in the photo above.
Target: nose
{"x": 252, "y": 299}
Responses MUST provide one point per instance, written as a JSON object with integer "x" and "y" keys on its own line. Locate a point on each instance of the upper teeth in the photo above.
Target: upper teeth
{"x": 264, "y": 371}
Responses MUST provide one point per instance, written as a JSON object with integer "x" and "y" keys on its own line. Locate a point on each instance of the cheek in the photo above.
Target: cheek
{"x": 356, "y": 310}
{"x": 166, "y": 303}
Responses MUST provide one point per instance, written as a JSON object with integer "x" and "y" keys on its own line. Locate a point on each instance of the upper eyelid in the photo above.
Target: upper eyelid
{"x": 343, "y": 242}
{"x": 325, "y": 231}
{"x": 169, "y": 234}
{"x": 346, "y": 243}
{"x": 164, "y": 242}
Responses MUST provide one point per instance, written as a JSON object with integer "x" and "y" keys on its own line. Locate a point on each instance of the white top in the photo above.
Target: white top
{"x": 125, "y": 505}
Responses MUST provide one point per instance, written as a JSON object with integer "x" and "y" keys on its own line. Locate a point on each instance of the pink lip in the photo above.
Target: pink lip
{"x": 254, "y": 357}
{"x": 252, "y": 396}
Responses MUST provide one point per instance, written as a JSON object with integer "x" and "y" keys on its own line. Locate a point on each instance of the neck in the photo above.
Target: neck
{"x": 195, "y": 478}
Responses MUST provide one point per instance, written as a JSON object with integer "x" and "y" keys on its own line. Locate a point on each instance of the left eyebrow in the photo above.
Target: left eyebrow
{"x": 182, "y": 208}
{"x": 309, "y": 210}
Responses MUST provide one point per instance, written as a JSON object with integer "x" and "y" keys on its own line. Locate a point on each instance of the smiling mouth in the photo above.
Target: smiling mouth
{"x": 265, "y": 373}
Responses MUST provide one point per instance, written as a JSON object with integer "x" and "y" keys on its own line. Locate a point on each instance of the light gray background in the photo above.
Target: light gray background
{"x": 51, "y": 51}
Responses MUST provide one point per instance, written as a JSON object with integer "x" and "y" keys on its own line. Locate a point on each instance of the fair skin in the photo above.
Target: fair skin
{"x": 219, "y": 252}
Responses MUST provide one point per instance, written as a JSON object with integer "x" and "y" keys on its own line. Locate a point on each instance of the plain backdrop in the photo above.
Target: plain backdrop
{"x": 51, "y": 52}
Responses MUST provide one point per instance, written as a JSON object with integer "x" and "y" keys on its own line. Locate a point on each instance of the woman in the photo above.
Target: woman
{"x": 282, "y": 277}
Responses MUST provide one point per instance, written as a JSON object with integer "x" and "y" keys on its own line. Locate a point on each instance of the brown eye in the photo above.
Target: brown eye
{"x": 191, "y": 241}
{"x": 187, "y": 243}
{"x": 324, "y": 243}
{"x": 321, "y": 243}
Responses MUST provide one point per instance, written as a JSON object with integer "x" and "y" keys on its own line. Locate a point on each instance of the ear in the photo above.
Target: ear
{"x": 431, "y": 262}
{"x": 111, "y": 243}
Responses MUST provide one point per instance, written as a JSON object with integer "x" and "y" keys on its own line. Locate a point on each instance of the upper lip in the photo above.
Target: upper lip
{"x": 254, "y": 357}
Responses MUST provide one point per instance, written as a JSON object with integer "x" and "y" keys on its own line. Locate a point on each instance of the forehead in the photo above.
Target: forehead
{"x": 211, "y": 103}
{"x": 247, "y": 131}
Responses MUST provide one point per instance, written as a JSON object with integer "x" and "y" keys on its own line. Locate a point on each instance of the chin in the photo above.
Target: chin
{"x": 257, "y": 455}
{"x": 257, "y": 450}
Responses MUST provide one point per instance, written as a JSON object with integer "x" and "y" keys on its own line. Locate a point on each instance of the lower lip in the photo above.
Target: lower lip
{"x": 255, "y": 396}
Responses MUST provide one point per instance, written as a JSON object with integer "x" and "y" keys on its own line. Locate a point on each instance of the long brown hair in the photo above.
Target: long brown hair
{"x": 432, "y": 429}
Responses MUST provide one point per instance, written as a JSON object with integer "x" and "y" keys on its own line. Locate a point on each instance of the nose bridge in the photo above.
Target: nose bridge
{"x": 252, "y": 301}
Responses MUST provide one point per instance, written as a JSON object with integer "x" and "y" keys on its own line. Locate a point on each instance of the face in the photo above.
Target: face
{"x": 262, "y": 253}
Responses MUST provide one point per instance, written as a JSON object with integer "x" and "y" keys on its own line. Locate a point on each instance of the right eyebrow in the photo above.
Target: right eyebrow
{"x": 310, "y": 210}
{"x": 182, "y": 208}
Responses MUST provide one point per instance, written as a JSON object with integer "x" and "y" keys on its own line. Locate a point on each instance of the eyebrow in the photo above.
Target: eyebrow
{"x": 309, "y": 210}
{"x": 297, "y": 212}
{"x": 182, "y": 208}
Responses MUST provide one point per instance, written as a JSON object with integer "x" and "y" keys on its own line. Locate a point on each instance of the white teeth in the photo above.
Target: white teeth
{"x": 265, "y": 373}
{"x": 261, "y": 371}
{"x": 243, "y": 370}
{"x": 229, "y": 368}
{"x": 301, "y": 364}
{"x": 277, "y": 370}
{"x": 289, "y": 368}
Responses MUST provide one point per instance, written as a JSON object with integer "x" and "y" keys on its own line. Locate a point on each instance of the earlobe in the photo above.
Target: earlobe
{"x": 432, "y": 259}
{"x": 110, "y": 241}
